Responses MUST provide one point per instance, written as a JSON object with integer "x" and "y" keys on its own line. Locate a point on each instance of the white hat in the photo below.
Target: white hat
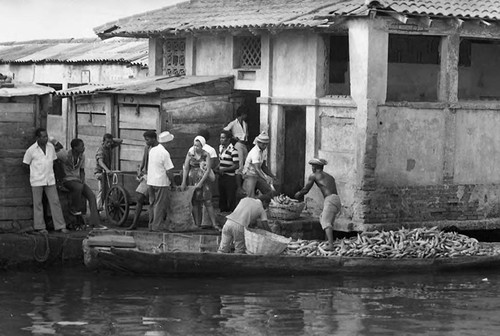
{"x": 318, "y": 162}
{"x": 165, "y": 137}
{"x": 53, "y": 140}
{"x": 262, "y": 138}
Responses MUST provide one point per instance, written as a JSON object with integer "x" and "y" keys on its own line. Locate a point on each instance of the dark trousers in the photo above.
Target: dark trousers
{"x": 227, "y": 193}
{"x": 78, "y": 190}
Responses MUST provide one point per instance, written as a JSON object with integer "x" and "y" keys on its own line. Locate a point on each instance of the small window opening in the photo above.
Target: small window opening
{"x": 247, "y": 52}
{"x": 56, "y": 101}
{"x": 478, "y": 76}
{"x": 414, "y": 67}
{"x": 174, "y": 51}
{"x": 338, "y": 70}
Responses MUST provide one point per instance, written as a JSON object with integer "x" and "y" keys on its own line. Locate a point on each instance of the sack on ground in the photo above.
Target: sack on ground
{"x": 179, "y": 210}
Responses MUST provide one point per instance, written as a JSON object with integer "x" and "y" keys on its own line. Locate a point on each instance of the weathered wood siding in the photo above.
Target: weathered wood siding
{"x": 135, "y": 116}
{"x": 90, "y": 127}
{"x": 19, "y": 117}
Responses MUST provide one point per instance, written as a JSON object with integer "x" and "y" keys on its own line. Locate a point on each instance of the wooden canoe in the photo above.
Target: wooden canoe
{"x": 178, "y": 254}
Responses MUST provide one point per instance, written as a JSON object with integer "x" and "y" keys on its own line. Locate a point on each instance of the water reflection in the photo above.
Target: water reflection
{"x": 75, "y": 302}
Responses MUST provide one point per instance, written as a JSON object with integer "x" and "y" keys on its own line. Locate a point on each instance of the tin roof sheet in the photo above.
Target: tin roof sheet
{"x": 143, "y": 86}
{"x": 119, "y": 50}
{"x": 25, "y": 89}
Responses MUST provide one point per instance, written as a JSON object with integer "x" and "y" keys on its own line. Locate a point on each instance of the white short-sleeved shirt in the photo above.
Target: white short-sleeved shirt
{"x": 211, "y": 151}
{"x": 255, "y": 156}
{"x": 159, "y": 163}
{"x": 248, "y": 211}
{"x": 239, "y": 130}
{"x": 41, "y": 164}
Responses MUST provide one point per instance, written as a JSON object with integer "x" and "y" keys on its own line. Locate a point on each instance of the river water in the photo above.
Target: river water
{"x": 76, "y": 302}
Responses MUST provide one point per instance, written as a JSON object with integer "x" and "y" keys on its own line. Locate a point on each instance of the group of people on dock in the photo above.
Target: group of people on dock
{"x": 245, "y": 183}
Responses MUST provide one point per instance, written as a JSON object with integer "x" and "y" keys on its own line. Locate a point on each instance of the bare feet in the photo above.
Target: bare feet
{"x": 328, "y": 247}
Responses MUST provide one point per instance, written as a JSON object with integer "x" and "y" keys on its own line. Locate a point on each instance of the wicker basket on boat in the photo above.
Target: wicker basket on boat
{"x": 259, "y": 241}
{"x": 288, "y": 211}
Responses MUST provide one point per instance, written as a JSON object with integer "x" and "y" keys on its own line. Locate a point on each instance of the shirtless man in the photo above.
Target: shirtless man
{"x": 331, "y": 207}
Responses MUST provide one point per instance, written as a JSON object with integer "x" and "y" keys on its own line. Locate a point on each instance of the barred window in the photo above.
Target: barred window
{"x": 247, "y": 52}
{"x": 174, "y": 51}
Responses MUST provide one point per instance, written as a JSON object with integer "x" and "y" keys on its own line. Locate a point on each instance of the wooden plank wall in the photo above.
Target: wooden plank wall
{"x": 18, "y": 121}
{"x": 91, "y": 126}
{"x": 133, "y": 120}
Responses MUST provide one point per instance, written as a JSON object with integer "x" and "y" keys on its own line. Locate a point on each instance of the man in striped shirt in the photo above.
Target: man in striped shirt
{"x": 228, "y": 164}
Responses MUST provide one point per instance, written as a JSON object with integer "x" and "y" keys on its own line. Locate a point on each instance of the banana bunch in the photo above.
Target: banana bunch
{"x": 403, "y": 243}
{"x": 282, "y": 199}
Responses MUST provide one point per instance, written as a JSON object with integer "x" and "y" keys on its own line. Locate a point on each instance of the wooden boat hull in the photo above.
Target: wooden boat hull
{"x": 179, "y": 263}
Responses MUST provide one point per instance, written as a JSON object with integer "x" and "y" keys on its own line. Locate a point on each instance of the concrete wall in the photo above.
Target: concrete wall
{"x": 434, "y": 164}
{"x": 477, "y": 150}
{"x": 410, "y": 146}
{"x": 294, "y": 66}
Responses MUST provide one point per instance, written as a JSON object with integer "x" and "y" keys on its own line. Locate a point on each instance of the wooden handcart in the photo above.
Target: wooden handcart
{"x": 121, "y": 195}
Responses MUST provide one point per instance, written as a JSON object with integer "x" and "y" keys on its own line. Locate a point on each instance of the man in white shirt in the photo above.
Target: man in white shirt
{"x": 239, "y": 128}
{"x": 40, "y": 158}
{"x": 256, "y": 174}
{"x": 159, "y": 164}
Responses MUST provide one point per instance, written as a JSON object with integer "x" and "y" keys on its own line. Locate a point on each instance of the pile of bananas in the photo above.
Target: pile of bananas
{"x": 282, "y": 199}
{"x": 404, "y": 243}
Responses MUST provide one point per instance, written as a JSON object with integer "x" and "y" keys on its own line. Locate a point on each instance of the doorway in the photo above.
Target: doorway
{"x": 249, "y": 99}
{"x": 295, "y": 149}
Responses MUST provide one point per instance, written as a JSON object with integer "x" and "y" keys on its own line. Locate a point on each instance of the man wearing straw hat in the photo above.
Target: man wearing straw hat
{"x": 159, "y": 163}
{"x": 331, "y": 206}
{"x": 255, "y": 171}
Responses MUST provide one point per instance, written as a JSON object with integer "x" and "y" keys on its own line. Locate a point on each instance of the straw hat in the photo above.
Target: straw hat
{"x": 318, "y": 162}
{"x": 165, "y": 137}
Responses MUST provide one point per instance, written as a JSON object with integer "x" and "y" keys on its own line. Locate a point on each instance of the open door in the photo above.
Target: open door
{"x": 295, "y": 149}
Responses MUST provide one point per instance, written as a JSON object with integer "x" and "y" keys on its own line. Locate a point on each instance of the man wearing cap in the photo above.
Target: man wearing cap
{"x": 40, "y": 158}
{"x": 256, "y": 174}
{"x": 159, "y": 164}
{"x": 331, "y": 206}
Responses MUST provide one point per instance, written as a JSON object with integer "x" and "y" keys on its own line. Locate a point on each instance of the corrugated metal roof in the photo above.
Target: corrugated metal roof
{"x": 143, "y": 86}
{"x": 25, "y": 89}
{"x": 234, "y": 14}
{"x": 85, "y": 89}
{"x": 119, "y": 50}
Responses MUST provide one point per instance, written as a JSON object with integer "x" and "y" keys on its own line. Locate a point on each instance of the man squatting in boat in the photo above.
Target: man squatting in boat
{"x": 249, "y": 212}
{"x": 331, "y": 207}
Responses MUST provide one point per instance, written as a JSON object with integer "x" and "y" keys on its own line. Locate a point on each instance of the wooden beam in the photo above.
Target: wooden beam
{"x": 400, "y": 17}
{"x": 426, "y": 21}
{"x": 484, "y": 22}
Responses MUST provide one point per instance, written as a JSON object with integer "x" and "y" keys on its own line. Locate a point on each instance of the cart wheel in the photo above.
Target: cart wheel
{"x": 117, "y": 206}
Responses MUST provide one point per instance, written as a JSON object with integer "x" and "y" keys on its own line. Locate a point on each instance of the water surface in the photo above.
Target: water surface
{"x": 77, "y": 302}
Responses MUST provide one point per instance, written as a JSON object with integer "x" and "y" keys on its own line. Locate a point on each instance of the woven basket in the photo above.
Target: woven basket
{"x": 259, "y": 241}
{"x": 286, "y": 211}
